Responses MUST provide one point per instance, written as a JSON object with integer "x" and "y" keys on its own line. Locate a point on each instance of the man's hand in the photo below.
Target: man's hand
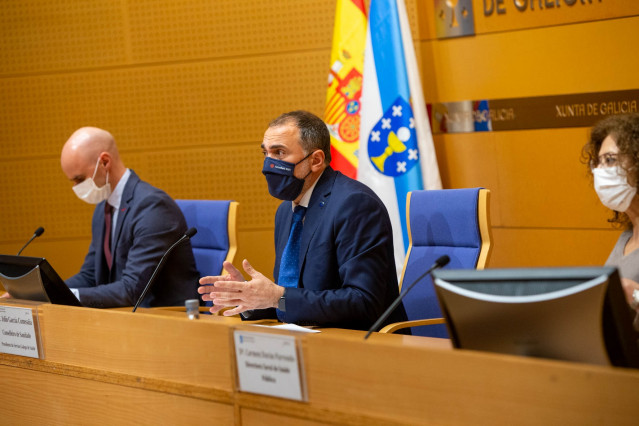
{"x": 207, "y": 282}
{"x": 5, "y": 295}
{"x": 232, "y": 290}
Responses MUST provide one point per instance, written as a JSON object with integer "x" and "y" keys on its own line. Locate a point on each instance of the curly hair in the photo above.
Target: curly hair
{"x": 624, "y": 129}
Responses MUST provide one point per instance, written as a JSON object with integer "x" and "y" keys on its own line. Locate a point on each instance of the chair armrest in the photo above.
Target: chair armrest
{"x": 391, "y": 328}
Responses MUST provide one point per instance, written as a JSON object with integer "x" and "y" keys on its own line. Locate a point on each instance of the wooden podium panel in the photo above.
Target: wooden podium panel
{"x": 252, "y": 417}
{"x": 34, "y": 397}
{"x": 403, "y": 382}
{"x": 169, "y": 347}
{"x": 157, "y": 367}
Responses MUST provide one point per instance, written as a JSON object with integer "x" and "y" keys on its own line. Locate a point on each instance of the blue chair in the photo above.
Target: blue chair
{"x": 216, "y": 239}
{"x": 454, "y": 222}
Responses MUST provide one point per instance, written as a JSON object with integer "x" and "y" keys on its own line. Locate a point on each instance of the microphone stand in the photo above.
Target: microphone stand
{"x": 36, "y": 234}
{"x": 440, "y": 262}
{"x": 187, "y": 235}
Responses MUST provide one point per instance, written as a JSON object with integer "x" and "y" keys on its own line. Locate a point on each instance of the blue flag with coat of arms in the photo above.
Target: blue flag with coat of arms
{"x": 396, "y": 151}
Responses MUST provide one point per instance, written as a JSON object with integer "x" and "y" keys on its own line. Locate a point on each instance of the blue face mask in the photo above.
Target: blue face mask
{"x": 282, "y": 183}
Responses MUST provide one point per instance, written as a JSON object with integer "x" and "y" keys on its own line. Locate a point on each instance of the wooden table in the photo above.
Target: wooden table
{"x": 158, "y": 367}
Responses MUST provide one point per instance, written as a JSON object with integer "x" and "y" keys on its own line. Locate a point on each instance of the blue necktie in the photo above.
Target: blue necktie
{"x": 289, "y": 265}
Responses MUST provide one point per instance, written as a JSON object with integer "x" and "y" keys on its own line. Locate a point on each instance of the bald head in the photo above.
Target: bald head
{"x": 81, "y": 152}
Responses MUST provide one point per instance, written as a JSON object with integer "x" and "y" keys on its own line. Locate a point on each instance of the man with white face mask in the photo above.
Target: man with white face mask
{"x": 133, "y": 225}
{"x": 613, "y": 157}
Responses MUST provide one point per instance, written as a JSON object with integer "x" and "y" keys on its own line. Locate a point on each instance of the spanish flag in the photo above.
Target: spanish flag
{"x": 343, "y": 102}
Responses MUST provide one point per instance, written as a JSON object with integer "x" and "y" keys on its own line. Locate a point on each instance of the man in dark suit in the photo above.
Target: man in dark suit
{"x": 343, "y": 272}
{"x": 133, "y": 225}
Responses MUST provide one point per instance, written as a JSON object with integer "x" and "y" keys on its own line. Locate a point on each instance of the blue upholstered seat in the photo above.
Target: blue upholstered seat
{"x": 452, "y": 222}
{"x": 215, "y": 240}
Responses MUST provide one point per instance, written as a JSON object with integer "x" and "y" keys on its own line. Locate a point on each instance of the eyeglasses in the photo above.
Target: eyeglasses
{"x": 607, "y": 160}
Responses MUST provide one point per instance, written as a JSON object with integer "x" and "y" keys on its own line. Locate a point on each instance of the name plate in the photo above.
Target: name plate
{"x": 18, "y": 332}
{"x": 268, "y": 364}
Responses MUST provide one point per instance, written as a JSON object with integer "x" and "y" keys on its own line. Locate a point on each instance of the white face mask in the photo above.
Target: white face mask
{"x": 88, "y": 191}
{"x": 612, "y": 188}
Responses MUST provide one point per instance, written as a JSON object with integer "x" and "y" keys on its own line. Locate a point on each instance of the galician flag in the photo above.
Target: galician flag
{"x": 396, "y": 152}
{"x": 342, "y": 113}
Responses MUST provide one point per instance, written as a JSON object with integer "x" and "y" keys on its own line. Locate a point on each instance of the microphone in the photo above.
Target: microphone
{"x": 439, "y": 263}
{"x": 36, "y": 234}
{"x": 187, "y": 235}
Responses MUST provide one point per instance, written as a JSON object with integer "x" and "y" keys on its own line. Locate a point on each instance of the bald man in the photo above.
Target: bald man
{"x": 133, "y": 226}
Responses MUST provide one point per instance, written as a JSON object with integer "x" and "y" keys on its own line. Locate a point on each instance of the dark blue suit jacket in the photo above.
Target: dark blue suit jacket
{"x": 347, "y": 265}
{"x": 148, "y": 223}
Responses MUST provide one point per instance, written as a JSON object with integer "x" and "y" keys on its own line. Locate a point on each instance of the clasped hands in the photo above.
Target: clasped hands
{"x": 233, "y": 290}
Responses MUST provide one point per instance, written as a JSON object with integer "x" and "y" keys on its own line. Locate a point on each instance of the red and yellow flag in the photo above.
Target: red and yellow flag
{"x": 343, "y": 103}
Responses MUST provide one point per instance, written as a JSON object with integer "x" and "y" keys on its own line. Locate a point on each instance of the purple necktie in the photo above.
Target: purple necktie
{"x": 108, "y": 216}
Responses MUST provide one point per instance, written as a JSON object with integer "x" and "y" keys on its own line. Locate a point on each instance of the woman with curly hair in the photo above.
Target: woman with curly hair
{"x": 613, "y": 158}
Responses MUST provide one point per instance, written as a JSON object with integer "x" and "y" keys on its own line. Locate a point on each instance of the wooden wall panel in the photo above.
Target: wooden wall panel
{"x": 65, "y": 255}
{"x": 35, "y": 193}
{"x": 470, "y": 160}
{"x": 577, "y": 58}
{"x": 37, "y": 35}
{"x": 161, "y": 107}
{"x": 184, "y": 30}
{"x": 532, "y": 247}
{"x": 542, "y": 182}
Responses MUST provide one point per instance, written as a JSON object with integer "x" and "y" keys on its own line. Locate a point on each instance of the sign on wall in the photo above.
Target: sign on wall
{"x": 457, "y": 18}
{"x": 541, "y": 112}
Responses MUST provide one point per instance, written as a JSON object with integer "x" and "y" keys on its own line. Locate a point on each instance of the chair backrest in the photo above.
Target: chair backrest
{"x": 216, "y": 239}
{"x": 454, "y": 222}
